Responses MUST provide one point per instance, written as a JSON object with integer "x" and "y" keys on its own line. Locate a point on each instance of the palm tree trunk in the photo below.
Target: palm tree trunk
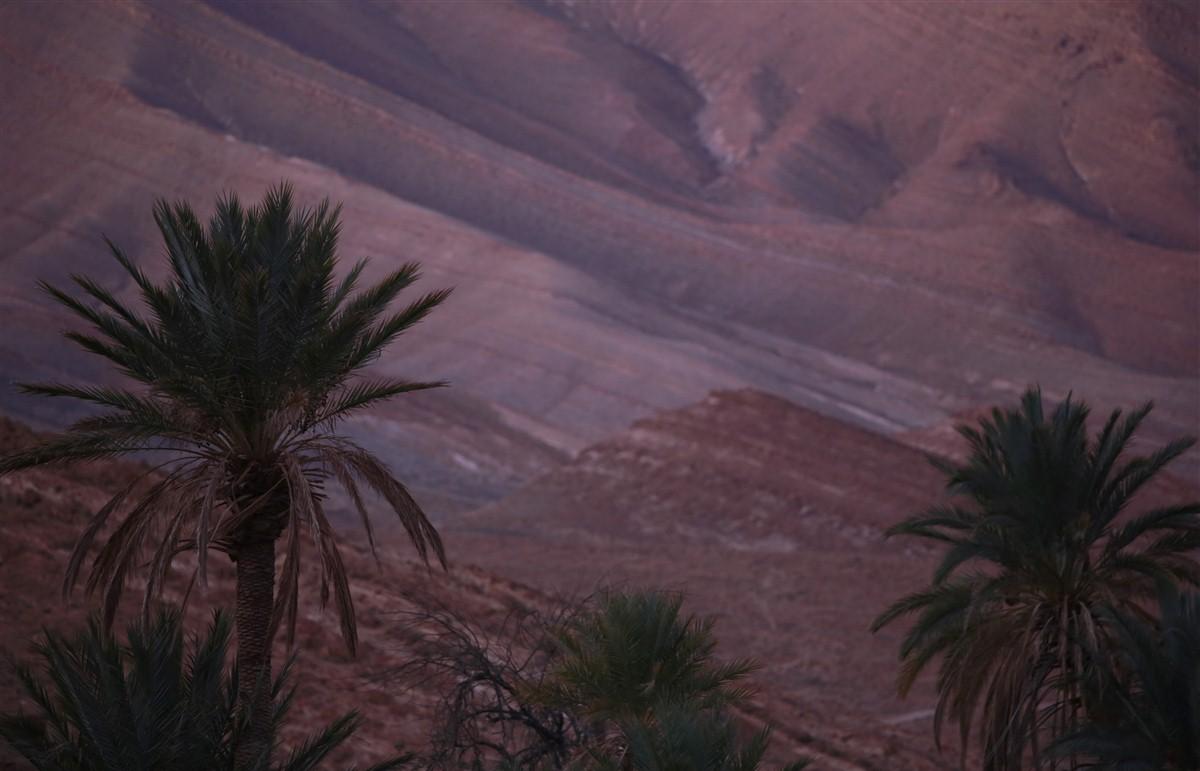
{"x": 255, "y": 604}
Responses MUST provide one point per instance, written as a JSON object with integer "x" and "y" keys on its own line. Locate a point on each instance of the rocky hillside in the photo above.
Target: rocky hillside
{"x": 763, "y": 512}
{"x": 793, "y": 567}
{"x": 759, "y": 510}
{"x": 767, "y": 513}
{"x": 887, "y": 211}
{"x": 772, "y": 515}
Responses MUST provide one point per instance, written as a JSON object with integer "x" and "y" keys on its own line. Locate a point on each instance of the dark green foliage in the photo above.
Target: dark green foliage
{"x": 1151, "y": 718}
{"x": 242, "y": 362}
{"x": 1037, "y": 545}
{"x": 155, "y": 703}
{"x": 650, "y": 674}
{"x": 680, "y": 737}
{"x": 635, "y": 651}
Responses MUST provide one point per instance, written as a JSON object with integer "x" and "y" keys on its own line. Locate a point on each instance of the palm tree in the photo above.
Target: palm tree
{"x": 648, "y": 676}
{"x": 637, "y": 650}
{"x": 1035, "y": 547}
{"x": 153, "y": 704}
{"x": 1154, "y": 720}
{"x": 243, "y": 362}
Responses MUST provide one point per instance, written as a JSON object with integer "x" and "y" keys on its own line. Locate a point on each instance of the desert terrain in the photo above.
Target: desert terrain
{"x": 723, "y": 272}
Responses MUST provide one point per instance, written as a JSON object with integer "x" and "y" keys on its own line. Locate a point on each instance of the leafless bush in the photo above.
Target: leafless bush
{"x": 487, "y": 717}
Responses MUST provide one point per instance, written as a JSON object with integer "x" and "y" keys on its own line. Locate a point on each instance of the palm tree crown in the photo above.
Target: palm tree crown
{"x": 242, "y": 364}
{"x": 1036, "y": 547}
{"x": 637, "y": 650}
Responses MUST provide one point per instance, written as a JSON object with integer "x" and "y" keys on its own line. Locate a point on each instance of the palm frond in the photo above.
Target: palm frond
{"x": 363, "y": 394}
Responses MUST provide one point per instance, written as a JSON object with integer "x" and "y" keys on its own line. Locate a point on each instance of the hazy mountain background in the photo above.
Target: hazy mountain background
{"x": 858, "y": 221}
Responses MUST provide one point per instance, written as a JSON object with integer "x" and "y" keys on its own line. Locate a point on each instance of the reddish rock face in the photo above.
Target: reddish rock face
{"x": 888, "y": 213}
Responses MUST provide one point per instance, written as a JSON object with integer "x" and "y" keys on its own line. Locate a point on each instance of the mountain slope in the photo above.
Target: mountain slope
{"x": 767, "y": 513}
{"x": 889, "y": 212}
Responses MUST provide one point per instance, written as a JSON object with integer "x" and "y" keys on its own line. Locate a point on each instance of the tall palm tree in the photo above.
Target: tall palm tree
{"x": 158, "y": 702}
{"x": 1154, "y": 720}
{"x": 1038, "y": 542}
{"x": 243, "y": 362}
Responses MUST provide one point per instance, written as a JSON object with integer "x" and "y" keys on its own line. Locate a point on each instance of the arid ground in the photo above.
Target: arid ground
{"x": 724, "y": 272}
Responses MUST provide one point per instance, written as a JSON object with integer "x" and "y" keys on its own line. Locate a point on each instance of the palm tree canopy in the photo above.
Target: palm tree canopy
{"x": 637, "y": 650}
{"x": 157, "y": 702}
{"x": 1037, "y": 542}
{"x": 242, "y": 364}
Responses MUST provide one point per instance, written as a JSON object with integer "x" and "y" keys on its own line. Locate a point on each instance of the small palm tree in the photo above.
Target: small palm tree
{"x": 156, "y": 703}
{"x": 648, "y": 676}
{"x": 1034, "y": 549}
{"x": 1154, "y": 720}
{"x": 243, "y": 361}
{"x": 637, "y": 650}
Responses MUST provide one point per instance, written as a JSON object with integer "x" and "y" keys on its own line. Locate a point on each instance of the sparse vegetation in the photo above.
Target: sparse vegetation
{"x": 624, "y": 681}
